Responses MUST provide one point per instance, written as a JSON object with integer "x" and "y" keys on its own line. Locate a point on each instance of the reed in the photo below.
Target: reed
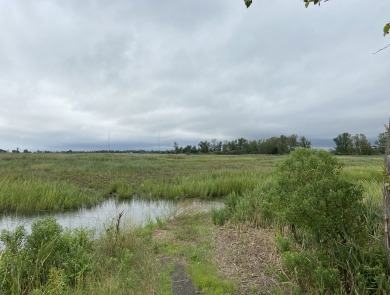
{"x": 213, "y": 184}
{"x": 73, "y": 178}
{"x": 32, "y": 194}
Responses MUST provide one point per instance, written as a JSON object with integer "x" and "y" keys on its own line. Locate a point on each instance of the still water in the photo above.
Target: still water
{"x": 104, "y": 214}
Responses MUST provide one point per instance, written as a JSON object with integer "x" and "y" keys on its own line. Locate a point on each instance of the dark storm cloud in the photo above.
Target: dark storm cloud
{"x": 73, "y": 71}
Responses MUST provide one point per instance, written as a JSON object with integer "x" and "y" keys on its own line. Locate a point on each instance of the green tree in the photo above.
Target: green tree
{"x": 269, "y": 146}
{"x": 361, "y": 145}
{"x": 292, "y": 142}
{"x": 204, "y": 146}
{"x": 282, "y": 144}
{"x": 253, "y": 147}
{"x": 304, "y": 143}
{"x": 213, "y": 145}
{"x": 356, "y": 144}
{"x": 176, "y": 147}
{"x": 242, "y": 145}
{"x": 344, "y": 143}
{"x": 381, "y": 142}
{"x": 232, "y": 146}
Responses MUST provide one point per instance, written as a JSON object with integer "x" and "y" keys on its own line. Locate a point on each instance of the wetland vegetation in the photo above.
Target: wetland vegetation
{"x": 126, "y": 260}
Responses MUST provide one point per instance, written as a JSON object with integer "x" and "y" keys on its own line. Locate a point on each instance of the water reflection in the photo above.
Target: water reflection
{"x": 101, "y": 215}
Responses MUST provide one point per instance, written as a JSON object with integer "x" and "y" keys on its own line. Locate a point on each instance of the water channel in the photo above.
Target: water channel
{"x": 102, "y": 215}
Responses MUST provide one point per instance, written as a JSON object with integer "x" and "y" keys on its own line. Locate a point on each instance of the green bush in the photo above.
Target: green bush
{"x": 310, "y": 196}
{"x": 332, "y": 248}
{"x": 48, "y": 258}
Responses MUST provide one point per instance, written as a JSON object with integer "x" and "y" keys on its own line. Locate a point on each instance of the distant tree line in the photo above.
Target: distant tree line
{"x": 346, "y": 144}
{"x": 17, "y": 151}
{"x": 274, "y": 145}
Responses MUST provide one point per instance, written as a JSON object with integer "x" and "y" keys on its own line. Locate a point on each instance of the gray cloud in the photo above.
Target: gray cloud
{"x": 189, "y": 70}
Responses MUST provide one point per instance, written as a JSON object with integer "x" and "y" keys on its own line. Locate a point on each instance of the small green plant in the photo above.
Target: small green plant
{"x": 219, "y": 216}
{"x": 206, "y": 277}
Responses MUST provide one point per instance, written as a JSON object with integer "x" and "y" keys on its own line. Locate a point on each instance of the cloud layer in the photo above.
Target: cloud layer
{"x": 73, "y": 72}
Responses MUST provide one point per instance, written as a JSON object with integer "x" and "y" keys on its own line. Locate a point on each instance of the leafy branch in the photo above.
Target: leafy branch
{"x": 386, "y": 28}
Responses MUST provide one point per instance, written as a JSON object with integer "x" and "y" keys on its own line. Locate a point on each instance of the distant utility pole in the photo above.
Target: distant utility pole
{"x": 109, "y": 147}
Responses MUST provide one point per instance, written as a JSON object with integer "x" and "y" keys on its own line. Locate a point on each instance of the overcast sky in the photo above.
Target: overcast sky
{"x": 75, "y": 73}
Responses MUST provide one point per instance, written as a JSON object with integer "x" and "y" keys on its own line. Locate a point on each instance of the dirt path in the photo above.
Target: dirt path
{"x": 181, "y": 282}
{"x": 245, "y": 256}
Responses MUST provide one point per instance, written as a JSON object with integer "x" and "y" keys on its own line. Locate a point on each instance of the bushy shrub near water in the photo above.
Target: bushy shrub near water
{"x": 333, "y": 249}
{"x": 330, "y": 231}
{"x": 311, "y": 196}
{"x": 47, "y": 259}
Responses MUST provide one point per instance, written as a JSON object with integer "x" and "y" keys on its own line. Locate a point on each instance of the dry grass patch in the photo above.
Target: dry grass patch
{"x": 247, "y": 256}
{"x": 162, "y": 235}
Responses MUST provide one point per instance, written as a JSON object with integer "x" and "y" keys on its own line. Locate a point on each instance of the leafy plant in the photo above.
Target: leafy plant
{"x": 49, "y": 257}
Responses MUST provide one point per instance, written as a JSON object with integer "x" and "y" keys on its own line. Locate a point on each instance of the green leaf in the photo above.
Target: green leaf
{"x": 386, "y": 29}
{"x": 315, "y": 2}
{"x": 248, "y": 3}
{"x": 306, "y": 4}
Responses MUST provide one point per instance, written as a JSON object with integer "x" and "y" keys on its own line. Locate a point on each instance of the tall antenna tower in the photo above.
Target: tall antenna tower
{"x": 109, "y": 143}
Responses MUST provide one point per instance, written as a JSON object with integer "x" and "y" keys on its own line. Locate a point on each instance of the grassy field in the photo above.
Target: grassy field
{"x": 129, "y": 259}
{"x": 31, "y": 182}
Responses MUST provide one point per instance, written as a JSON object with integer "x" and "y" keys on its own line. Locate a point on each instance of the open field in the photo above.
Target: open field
{"x": 31, "y": 182}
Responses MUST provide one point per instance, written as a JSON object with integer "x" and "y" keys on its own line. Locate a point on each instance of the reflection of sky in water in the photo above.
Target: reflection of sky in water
{"x": 105, "y": 213}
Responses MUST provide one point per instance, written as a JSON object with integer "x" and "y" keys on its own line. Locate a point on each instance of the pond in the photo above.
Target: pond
{"x": 137, "y": 211}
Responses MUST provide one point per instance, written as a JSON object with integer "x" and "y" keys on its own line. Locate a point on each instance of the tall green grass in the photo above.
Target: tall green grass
{"x": 128, "y": 175}
{"x": 32, "y": 194}
{"x": 213, "y": 184}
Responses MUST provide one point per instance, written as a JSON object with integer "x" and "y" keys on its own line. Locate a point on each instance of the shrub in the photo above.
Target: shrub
{"x": 49, "y": 257}
{"x": 311, "y": 196}
{"x": 332, "y": 250}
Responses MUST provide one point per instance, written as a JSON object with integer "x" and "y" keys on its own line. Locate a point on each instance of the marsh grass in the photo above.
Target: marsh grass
{"x": 32, "y": 194}
{"x": 213, "y": 184}
{"x": 34, "y": 182}
{"x": 127, "y": 264}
